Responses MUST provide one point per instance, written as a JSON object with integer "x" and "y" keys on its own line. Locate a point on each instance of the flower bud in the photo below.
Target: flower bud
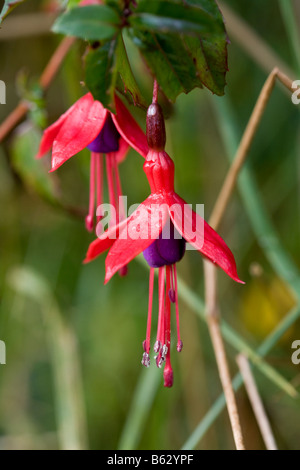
{"x": 156, "y": 131}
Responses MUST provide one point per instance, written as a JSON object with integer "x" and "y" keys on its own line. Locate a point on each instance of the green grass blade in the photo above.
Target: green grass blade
{"x": 261, "y": 222}
{"x": 70, "y": 410}
{"x": 140, "y": 408}
{"x": 220, "y": 403}
{"x": 292, "y": 31}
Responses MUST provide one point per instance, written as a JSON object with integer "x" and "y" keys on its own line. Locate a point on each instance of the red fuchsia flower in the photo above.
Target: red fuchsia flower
{"x": 144, "y": 232}
{"x": 88, "y": 124}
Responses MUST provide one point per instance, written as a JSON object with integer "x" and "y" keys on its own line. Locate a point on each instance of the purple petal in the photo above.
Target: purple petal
{"x": 108, "y": 139}
{"x": 167, "y": 249}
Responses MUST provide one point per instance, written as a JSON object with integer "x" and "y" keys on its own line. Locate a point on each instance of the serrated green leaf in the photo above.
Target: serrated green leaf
{"x": 32, "y": 172}
{"x": 8, "y": 6}
{"x": 93, "y": 23}
{"x": 168, "y": 36}
{"x": 174, "y": 16}
{"x": 161, "y": 54}
{"x": 128, "y": 80}
{"x": 101, "y": 73}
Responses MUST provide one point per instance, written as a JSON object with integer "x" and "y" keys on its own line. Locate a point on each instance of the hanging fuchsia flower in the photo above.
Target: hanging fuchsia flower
{"x": 88, "y": 124}
{"x": 160, "y": 228}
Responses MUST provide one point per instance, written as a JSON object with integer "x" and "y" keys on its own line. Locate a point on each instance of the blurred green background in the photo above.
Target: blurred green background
{"x": 73, "y": 377}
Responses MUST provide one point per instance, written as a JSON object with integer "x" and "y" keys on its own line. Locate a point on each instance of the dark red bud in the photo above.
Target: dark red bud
{"x": 156, "y": 131}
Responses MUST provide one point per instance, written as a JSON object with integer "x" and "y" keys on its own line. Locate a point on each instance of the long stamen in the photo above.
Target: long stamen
{"x": 89, "y": 220}
{"x": 146, "y": 344}
{"x": 160, "y": 338}
{"x": 99, "y": 183}
{"x": 168, "y": 372}
{"x": 110, "y": 180}
{"x": 171, "y": 292}
{"x": 179, "y": 342}
{"x": 119, "y": 190}
{"x": 168, "y": 310}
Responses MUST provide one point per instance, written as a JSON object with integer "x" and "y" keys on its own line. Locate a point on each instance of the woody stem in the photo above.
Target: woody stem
{"x": 215, "y": 220}
{"x": 244, "y": 147}
{"x": 212, "y": 313}
{"x": 46, "y": 78}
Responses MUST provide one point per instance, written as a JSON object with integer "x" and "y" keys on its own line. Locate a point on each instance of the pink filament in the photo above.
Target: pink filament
{"x": 148, "y": 333}
{"x": 110, "y": 180}
{"x": 99, "y": 182}
{"x": 168, "y": 372}
{"x": 179, "y": 342}
{"x": 89, "y": 221}
{"x": 168, "y": 312}
{"x": 161, "y": 300}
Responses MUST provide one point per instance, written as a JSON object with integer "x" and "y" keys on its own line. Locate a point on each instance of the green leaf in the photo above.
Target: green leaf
{"x": 101, "y": 72}
{"x": 8, "y": 6}
{"x": 183, "y": 43}
{"x": 108, "y": 69}
{"x": 93, "y": 23}
{"x": 128, "y": 80}
{"x": 175, "y": 16}
{"x": 32, "y": 172}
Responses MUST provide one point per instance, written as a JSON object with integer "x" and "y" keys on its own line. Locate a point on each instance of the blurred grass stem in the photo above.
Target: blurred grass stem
{"x": 256, "y": 402}
{"x": 243, "y": 149}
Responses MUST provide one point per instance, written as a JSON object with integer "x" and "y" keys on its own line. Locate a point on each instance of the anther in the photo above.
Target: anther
{"x": 172, "y": 296}
{"x": 146, "y": 360}
{"x": 89, "y": 223}
{"x": 159, "y": 361}
{"x": 164, "y": 351}
{"x": 157, "y": 346}
{"x": 179, "y": 346}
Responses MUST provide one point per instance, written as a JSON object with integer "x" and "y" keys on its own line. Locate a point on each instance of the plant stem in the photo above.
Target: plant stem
{"x": 212, "y": 313}
{"x": 215, "y": 220}
{"x": 247, "y": 139}
{"x": 47, "y": 76}
{"x": 256, "y": 402}
{"x": 220, "y": 403}
{"x": 249, "y": 40}
{"x": 289, "y": 19}
{"x": 155, "y": 92}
